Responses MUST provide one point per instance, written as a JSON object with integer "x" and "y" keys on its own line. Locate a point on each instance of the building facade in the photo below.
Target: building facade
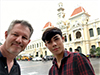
{"x": 79, "y": 32}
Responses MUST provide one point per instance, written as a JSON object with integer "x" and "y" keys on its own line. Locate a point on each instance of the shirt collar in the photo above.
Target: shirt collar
{"x": 15, "y": 62}
{"x": 1, "y": 54}
{"x": 66, "y": 54}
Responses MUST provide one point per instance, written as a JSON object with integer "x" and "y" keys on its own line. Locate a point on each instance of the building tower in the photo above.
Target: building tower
{"x": 61, "y": 16}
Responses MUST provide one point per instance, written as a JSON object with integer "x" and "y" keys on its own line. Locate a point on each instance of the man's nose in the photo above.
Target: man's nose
{"x": 54, "y": 43}
{"x": 19, "y": 39}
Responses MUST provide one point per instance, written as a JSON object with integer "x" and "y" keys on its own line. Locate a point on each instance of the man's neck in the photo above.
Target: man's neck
{"x": 59, "y": 58}
{"x": 6, "y": 54}
{"x": 10, "y": 64}
{"x": 9, "y": 57}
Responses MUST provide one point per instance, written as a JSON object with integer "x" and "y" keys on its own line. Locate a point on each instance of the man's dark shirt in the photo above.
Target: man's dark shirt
{"x": 15, "y": 70}
{"x": 72, "y": 64}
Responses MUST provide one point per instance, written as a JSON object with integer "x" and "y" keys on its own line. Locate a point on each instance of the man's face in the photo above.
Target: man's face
{"x": 17, "y": 39}
{"x": 55, "y": 45}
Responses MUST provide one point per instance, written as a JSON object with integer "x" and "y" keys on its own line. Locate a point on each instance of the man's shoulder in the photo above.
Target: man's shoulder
{"x": 76, "y": 57}
{"x": 75, "y": 54}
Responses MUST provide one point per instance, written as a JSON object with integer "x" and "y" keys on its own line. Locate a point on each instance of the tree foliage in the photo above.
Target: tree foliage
{"x": 98, "y": 51}
{"x": 92, "y": 52}
{"x": 0, "y": 43}
{"x": 95, "y": 52}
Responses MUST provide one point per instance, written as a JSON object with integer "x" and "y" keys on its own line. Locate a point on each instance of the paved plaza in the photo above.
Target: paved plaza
{"x": 96, "y": 65}
{"x": 42, "y": 68}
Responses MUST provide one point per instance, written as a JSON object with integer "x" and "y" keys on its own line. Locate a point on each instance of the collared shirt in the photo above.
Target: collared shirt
{"x": 15, "y": 70}
{"x": 72, "y": 64}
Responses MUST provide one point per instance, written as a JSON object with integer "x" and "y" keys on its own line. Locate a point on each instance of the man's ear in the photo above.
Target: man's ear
{"x": 29, "y": 41}
{"x": 45, "y": 44}
{"x": 6, "y": 34}
{"x": 63, "y": 39}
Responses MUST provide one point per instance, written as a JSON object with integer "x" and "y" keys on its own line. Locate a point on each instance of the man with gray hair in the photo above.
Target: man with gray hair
{"x": 17, "y": 38}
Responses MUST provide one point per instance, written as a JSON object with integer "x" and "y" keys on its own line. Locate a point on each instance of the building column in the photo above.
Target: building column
{"x": 86, "y": 34}
{"x": 73, "y": 50}
{"x": 87, "y": 49}
{"x": 67, "y": 37}
{"x": 82, "y": 33}
{"x": 97, "y": 44}
{"x": 95, "y": 32}
{"x": 72, "y": 36}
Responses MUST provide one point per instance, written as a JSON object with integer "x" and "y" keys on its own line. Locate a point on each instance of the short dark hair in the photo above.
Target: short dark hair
{"x": 76, "y": 50}
{"x": 50, "y": 32}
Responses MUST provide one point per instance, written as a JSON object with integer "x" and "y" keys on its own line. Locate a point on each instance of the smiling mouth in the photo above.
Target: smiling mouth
{"x": 55, "y": 49}
{"x": 16, "y": 45}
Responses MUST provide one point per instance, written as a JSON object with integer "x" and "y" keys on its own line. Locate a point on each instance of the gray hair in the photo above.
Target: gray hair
{"x": 22, "y": 22}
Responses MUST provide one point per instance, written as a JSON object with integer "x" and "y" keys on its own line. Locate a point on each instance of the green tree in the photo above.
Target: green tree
{"x": 0, "y": 43}
{"x": 98, "y": 51}
{"x": 92, "y": 52}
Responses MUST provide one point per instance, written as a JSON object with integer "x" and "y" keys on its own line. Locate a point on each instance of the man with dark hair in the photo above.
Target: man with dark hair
{"x": 65, "y": 63}
{"x": 76, "y": 50}
{"x": 17, "y": 38}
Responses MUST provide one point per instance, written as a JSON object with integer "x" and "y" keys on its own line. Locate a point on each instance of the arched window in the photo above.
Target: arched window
{"x": 70, "y": 37}
{"x": 45, "y": 52}
{"x": 40, "y": 44}
{"x": 70, "y": 49}
{"x": 98, "y": 30}
{"x": 91, "y": 32}
{"x": 79, "y": 48}
{"x": 66, "y": 49}
{"x": 78, "y": 35}
{"x": 93, "y": 47}
{"x": 65, "y": 38}
{"x": 37, "y": 45}
{"x": 30, "y": 46}
{"x": 36, "y": 54}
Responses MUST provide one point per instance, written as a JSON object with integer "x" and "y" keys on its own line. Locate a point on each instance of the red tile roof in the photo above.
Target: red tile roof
{"x": 78, "y": 10}
{"x": 48, "y": 24}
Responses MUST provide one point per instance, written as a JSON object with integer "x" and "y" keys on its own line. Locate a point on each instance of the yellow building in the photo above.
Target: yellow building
{"x": 79, "y": 32}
